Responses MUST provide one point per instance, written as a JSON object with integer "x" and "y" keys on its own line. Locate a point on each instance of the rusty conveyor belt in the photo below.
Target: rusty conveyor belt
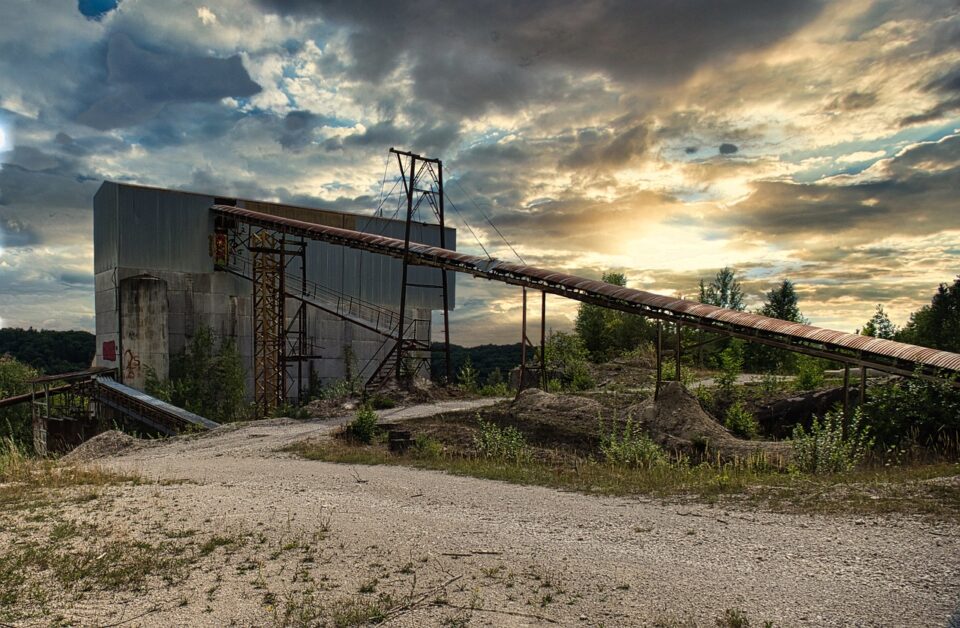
{"x": 885, "y": 355}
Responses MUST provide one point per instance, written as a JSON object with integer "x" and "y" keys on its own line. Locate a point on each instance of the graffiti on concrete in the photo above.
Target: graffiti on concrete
{"x": 131, "y": 369}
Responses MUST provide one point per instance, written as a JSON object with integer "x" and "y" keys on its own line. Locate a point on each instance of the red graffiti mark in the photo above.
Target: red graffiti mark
{"x": 132, "y": 369}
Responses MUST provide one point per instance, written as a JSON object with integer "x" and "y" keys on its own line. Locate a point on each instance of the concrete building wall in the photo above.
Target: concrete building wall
{"x": 146, "y": 238}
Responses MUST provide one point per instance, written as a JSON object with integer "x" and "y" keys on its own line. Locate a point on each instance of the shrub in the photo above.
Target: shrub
{"x": 363, "y": 427}
{"x": 500, "y": 443}
{"x": 827, "y": 447}
{"x": 741, "y": 421}
{"x": 497, "y": 390}
{"x": 380, "y": 402}
{"x": 809, "y": 373}
{"x": 913, "y": 411}
{"x": 731, "y": 365}
{"x": 631, "y": 447}
{"x": 467, "y": 376}
{"x": 426, "y": 447}
{"x": 567, "y": 358}
{"x": 15, "y": 420}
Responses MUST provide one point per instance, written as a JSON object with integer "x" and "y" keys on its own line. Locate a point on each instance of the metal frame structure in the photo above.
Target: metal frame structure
{"x": 420, "y": 183}
{"x": 269, "y": 321}
{"x": 525, "y": 343}
{"x": 884, "y": 355}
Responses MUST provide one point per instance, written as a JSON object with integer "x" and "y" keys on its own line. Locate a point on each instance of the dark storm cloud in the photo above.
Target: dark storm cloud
{"x": 469, "y": 55}
{"x": 608, "y": 148}
{"x": 854, "y": 101}
{"x": 140, "y": 83}
{"x": 728, "y": 149}
{"x": 914, "y": 195}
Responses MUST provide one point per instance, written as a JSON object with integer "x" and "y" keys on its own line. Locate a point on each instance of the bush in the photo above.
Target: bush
{"x": 380, "y": 402}
{"x": 363, "y": 427}
{"x": 809, "y": 373}
{"x": 826, "y": 448}
{"x": 567, "y": 358}
{"x": 500, "y": 443}
{"x": 741, "y": 421}
{"x": 913, "y": 412}
{"x": 426, "y": 447}
{"x": 631, "y": 447}
{"x": 731, "y": 365}
{"x": 15, "y": 421}
{"x": 497, "y": 390}
{"x": 467, "y": 376}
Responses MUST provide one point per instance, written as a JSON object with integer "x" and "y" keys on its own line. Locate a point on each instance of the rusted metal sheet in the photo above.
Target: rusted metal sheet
{"x": 887, "y": 355}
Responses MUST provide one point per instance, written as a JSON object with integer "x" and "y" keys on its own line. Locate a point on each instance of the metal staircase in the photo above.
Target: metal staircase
{"x": 381, "y": 368}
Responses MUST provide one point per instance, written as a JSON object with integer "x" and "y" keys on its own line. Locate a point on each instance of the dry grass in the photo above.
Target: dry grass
{"x": 880, "y": 490}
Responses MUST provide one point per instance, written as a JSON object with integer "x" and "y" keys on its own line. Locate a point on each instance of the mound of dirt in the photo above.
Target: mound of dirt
{"x": 561, "y": 417}
{"x": 676, "y": 421}
{"x": 102, "y": 445}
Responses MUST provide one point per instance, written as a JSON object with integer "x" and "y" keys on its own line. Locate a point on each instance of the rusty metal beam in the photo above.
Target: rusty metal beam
{"x": 884, "y": 355}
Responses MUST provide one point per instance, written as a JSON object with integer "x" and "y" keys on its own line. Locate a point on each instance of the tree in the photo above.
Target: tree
{"x": 880, "y": 325}
{"x": 782, "y": 303}
{"x": 605, "y": 332}
{"x": 15, "y": 420}
{"x": 937, "y": 325}
{"x": 723, "y": 291}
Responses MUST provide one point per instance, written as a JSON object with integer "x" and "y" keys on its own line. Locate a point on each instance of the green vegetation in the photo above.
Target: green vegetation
{"x": 567, "y": 361}
{"x": 723, "y": 291}
{"x": 809, "y": 373}
{"x": 15, "y": 421}
{"x": 880, "y": 325}
{"x": 363, "y": 427}
{"x": 500, "y": 443}
{"x": 485, "y": 359}
{"x": 915, "y": 413}
{"x": 860, "y": 491}
{"x": 829, "y": 446}
{"x": 607, "y": 333}
{"x": 205, "y": 380}
{"x": 631, "y": 447}
{"x": 49, "y": 351}
{"x": 937, "y": 325}
{"x": 741, "y": 421}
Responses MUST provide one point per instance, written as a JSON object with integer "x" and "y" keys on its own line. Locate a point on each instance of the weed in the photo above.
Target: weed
{"x": 733, "y": 618}
{"x": 426, "y": 447}
{"x": 827, "y": 447}
{"x": 632, "y": 447}
{"x": 741, "y": 421}
{"x": 500, "y": 443}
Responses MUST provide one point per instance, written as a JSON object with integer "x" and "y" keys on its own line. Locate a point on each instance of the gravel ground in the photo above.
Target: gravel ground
{"x": 514, "y": 555}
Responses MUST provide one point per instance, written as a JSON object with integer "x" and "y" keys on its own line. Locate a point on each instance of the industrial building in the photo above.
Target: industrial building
{"x": 165, "y": 268}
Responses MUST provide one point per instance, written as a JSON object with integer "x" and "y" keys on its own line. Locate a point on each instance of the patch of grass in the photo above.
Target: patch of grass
{"x": 878, "y": 490}
{"x": 211, "y": 544}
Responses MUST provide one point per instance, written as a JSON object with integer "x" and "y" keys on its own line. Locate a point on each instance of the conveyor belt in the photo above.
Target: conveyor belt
{"x": 159, "y": 415}
{"x": 885, "y": 355}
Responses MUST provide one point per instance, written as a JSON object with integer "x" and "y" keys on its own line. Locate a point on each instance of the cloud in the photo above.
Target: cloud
{"x": 503, "y": 54}
{"x": 728, "y": 149}
{"x": 140, "y": 83}
{"x": 96, "y": 9}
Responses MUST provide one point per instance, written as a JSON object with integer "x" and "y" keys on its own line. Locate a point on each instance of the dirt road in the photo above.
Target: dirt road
{"x": 509, "y": 555}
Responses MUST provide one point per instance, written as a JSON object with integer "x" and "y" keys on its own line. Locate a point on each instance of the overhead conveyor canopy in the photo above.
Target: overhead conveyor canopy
{"x": 853, "y": 349}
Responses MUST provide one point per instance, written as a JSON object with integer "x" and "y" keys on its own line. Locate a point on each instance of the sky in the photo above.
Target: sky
{"x": 803, "y": 139}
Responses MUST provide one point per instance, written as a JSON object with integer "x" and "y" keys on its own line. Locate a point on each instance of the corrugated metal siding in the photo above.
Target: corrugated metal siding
{"x": 105, "y": 235}
{"x": 164, "y": 230}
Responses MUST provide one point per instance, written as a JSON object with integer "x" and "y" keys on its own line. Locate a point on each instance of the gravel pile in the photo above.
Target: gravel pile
{"x": 101, "y": 446}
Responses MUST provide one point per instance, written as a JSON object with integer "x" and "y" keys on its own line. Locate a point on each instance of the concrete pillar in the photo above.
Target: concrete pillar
{"x": 144, "y": 320}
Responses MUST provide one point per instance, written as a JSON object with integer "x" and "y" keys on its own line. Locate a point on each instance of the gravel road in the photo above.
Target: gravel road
{"x": 529, "y": 556}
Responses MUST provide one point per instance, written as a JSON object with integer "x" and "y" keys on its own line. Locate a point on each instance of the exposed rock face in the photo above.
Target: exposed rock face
{"x": 567, "y": 415}
{"x": 678, "y": 423}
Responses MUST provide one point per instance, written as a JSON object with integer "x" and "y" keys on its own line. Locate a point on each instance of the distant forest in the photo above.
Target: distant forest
{"x": 49, "y": 351}
{"x": 485, "y": 359}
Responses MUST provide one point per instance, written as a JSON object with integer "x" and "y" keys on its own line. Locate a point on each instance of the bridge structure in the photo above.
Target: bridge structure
{"x": 241, "y": 225}
{"x": 65, "y": 407}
